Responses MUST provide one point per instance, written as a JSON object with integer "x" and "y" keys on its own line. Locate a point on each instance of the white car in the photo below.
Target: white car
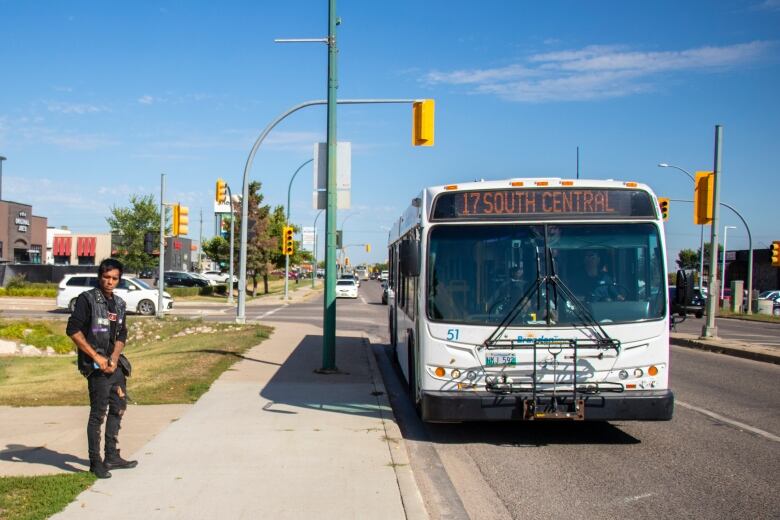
{"x": 218, "y": 277}
{"x": 137, "y": 294}
{"x": 769, "y": 295}
{"x": 383, "y": 276}
{"x": 346, "y": 288}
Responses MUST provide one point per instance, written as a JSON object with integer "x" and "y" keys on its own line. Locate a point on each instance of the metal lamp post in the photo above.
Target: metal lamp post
{"x": 287, "y": 221}
{"x": 723, "y": 268}
{"x": 1, "y": 176}
{"x": 701, "y": 234}
{"x": 314, "y": 253}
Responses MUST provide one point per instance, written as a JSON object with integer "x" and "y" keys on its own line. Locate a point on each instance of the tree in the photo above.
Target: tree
{"x": 131, "y": 224}
{"x": 217, "y": 250}
{"x": 259, "y": 242}
{"x": 687, "y": 259}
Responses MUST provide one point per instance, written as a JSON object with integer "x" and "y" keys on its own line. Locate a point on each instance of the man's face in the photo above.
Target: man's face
{"x": 109, "y": 280}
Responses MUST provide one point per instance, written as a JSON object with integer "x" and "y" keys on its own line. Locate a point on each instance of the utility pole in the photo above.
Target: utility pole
{"x": 710, "y": 330}
{"x": 578, "y": 162}
{"x": 200, "y": 242}
{"x": 1, "y": 178}
{"x": 161, "y": 267}
{"x": 329, "y": 318}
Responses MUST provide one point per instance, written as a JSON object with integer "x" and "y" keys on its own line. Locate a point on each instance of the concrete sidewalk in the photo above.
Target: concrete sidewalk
{"x": 741, "y": 349}
{"x": 272, "y": 439}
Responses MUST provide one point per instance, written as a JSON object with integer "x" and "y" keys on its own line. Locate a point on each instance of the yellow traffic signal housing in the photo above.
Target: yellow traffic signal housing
{"x": 221, "y": 192}
{"x": 422, "y": 122}
{"x": 368, "y": 248}
{"x": 775, "y": 252}
{"x": 703, "y": 195}
{"x": 288, "y": 240}
{"x": 663, "y": 204}
{"x": 181, "y": 220}
{"x": 346, "y": 260}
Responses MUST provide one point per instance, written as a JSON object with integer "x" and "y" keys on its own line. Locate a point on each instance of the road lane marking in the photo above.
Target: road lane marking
{"x": 732, "y": 422}
{"x": 363, "y": 300}
{"x": 268, "y": 313}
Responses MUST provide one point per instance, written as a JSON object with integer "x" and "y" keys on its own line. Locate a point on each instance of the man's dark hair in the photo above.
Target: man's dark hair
{"x": 109, "y": 264}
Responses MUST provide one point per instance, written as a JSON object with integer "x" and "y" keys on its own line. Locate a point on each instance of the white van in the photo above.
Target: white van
{"x": 136, "y": 293}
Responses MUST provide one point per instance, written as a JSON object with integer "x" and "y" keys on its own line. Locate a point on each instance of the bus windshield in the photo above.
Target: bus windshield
{"x": 477, "y": 274}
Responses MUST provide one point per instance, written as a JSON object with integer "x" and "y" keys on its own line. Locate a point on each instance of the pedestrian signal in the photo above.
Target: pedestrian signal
{"x": 703, "y": 195}
{"x": 663, "y": 205}
{"x": 181, "y": 220}
{"x": 422, "y": 122}
{"x": 288, "y": 240}
{"x": 221, "y": 192}
{"x": 775, "y": 252}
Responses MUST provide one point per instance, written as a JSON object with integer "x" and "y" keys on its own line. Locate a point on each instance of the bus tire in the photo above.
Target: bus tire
{"x": 412, "y": 365}
{"x": 391, "y": 326}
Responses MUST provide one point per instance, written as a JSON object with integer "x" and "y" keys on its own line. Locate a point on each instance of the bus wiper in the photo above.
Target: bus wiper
{"x": 580, "y": 309}
{"x": 517, "y": 308}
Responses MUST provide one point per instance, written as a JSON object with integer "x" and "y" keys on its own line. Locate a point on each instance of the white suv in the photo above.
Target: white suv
{"x": 138, "y": 296}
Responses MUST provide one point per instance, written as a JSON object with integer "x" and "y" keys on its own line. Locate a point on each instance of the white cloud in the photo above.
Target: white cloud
{"x": 147, "y": 99}
{"x": 597, "y": 71}
{"x": 73, "y": 108}
{"x": 767, "y": 5}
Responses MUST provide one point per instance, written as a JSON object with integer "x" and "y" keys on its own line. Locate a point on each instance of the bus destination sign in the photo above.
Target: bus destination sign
{"x": 543, "y": 203}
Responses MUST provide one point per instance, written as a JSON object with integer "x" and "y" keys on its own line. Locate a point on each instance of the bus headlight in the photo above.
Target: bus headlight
{"x": 623, "y": 374}
{"x": 638, "y": 372}
{"x": 455, "y": 373}
{"x": 471, "y": 375}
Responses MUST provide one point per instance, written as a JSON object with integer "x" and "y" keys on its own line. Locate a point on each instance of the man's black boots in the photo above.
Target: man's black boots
{"x": 99, "y": 469}
{"x": 115, "y": 461}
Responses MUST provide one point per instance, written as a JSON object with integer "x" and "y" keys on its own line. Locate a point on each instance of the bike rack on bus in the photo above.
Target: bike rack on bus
{"x": 558, "y": 401}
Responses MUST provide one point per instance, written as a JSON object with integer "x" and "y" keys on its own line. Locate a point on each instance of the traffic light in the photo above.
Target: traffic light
{"x": 221, "y": 194}
{"x": 663, "y": 204}
{"x": 703, "y": 195}
{"x": 346, "y": 261}
{"x": 422, "y": 122}
{"x": 181, "y": 219}
{"x": 368, "y": 248}
{"x": 775, "y": 251}
{"x": 288, "y": 240}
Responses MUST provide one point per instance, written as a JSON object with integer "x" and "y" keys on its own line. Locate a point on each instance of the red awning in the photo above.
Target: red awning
{"x": 61, "y": 246}
{"x": 86, "y": 246}
{"x": 80, "y": 246}
{"x": 92, "y": 244}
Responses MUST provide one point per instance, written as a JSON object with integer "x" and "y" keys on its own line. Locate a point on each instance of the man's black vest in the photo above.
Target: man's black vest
{"x": 99, "y": 332}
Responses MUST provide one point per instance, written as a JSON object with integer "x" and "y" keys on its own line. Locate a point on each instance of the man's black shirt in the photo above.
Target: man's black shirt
{"x": 80, "y": 320}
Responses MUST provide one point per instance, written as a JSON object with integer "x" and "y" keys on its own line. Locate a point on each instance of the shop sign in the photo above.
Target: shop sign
{"x": 22, "y": 222}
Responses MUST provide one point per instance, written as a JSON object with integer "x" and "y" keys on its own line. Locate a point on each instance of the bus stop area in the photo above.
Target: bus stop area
{"x": 271, "y": 439}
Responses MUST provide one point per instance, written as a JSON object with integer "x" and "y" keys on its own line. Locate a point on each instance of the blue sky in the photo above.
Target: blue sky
{"x": 99, "y": 98}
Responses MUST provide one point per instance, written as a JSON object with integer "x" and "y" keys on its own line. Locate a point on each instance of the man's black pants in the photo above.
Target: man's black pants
{"x": 107, "y": 392}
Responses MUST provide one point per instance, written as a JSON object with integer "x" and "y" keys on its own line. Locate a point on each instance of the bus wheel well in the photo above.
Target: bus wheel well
{"x": 412, "y": 366}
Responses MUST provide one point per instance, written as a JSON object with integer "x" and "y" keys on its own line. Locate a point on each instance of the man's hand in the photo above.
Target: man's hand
{"x": 102, "y": 362}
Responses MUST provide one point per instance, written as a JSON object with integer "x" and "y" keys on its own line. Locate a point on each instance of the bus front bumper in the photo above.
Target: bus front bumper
{"x": 641, "y": 405}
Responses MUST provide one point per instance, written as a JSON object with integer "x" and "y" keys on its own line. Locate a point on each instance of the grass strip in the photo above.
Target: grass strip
{"x": 37, "y": 498}
{"x": 174, "y": 361}
{"x": 749, "y": 317}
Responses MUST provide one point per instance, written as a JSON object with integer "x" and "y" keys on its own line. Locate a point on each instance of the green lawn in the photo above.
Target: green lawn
{"x": 34, "y": 498}
{"x": 174, "y": 361}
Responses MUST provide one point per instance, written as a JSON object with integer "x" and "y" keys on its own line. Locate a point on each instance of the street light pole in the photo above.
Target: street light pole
{"x": 1, "y": 177}
{"x": 723, "y": 271}
{"x": 710, "y": 330}
{"x": 287, "y": 222}
{"x": 232, "y": 242}
{"x": 701, "y": 232}
{"x": 161, "y": 267}
{"x": 314, "y": 255}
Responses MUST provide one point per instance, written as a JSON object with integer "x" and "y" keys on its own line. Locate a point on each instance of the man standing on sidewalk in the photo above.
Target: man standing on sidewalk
{"x": 97, "y": 326}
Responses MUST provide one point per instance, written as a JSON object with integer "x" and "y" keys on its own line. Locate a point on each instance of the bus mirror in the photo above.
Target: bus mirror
{"x": 410, "y": 257}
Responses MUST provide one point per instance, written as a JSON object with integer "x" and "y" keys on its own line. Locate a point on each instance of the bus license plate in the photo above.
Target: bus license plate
{"x": 493, "y": 360}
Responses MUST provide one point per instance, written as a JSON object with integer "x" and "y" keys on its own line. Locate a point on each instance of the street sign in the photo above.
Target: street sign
{"x": 307, "y": 238}
{"x": 343, "y": 175}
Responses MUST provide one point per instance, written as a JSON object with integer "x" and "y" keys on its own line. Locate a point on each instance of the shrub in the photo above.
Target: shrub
{"x": 207, "y": 291}
{"x": 36, "y": 334}
{"x": 17, "y": 281}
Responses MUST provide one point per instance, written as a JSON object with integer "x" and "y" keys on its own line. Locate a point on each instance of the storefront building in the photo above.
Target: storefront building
{"x": 80, "y": 248}
{"x": 22, "y": 234}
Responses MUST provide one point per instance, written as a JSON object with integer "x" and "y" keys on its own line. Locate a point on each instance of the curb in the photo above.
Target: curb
{"x": 411, "y": 498}
{"x": 737, "y": 350}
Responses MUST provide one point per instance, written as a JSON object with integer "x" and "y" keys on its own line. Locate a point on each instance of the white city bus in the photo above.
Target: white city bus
{"x": 529, "y": 299}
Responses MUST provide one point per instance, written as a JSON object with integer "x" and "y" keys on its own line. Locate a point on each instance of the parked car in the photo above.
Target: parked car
{"x": 209, "y": 280}
{"x": 137, "y": 294}
{"x": 346, "y": 288}
{"x": 383, "y": 275}
{"x": 148, "y": 273}
{"x": 216, "y": 276}
{"x": 769, "y": 295}
{"x": 776, "y": 306}
{"x": 183, "y": 279}
{"x": 695, "y": 306}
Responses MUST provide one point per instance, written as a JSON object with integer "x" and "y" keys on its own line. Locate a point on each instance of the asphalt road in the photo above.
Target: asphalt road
{"x": 717, "y": 458}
